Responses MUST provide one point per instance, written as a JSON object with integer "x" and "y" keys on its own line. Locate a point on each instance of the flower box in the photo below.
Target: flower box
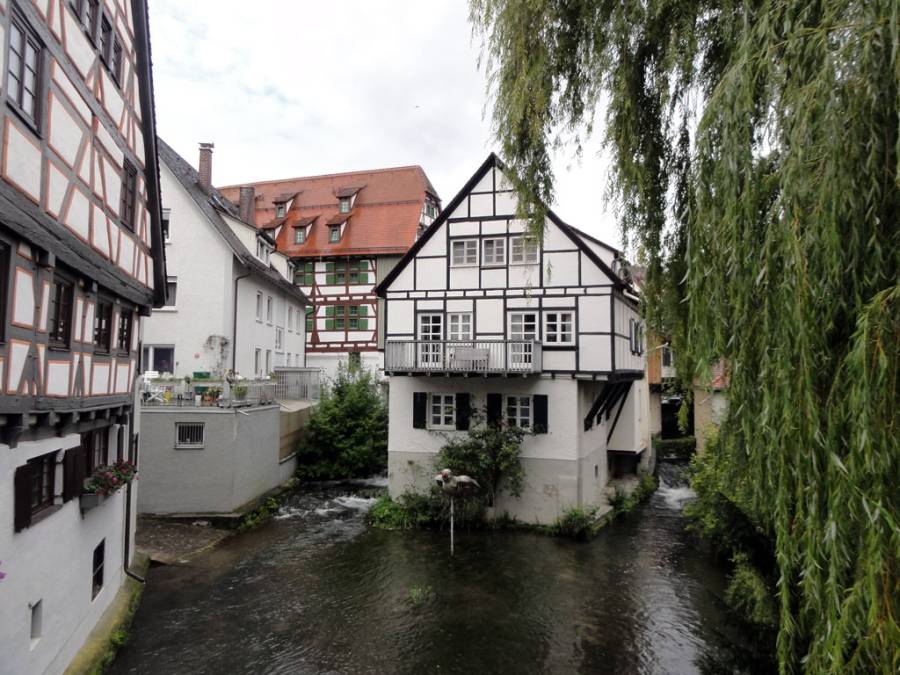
{"x": 91, "y": 500}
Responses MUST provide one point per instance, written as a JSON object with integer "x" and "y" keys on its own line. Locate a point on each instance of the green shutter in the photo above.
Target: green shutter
{"x": 329, "y": 310}
{"x": 363, "y": 278}
{"x": 363, "y": 310}
{"x": 329, "y": 267}
{"x": 329, "y": 324}
{"x": 310, "y": 267}
{"x": 309, "y": 325}
{"x": 309, "y": 310}
{"x": 363, "y": 324}
{"x": 329, "y": 280}
{"x": 308, "y": 279}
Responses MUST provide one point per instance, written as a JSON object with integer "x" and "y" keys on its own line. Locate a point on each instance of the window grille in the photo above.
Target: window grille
{"x": 189, "y": 434}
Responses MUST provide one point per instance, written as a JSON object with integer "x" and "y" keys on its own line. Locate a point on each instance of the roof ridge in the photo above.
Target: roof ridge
{"x": 326, "y": 175}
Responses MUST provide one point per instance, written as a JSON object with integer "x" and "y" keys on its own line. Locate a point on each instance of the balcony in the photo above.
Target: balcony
{"x": 466, "y": 357}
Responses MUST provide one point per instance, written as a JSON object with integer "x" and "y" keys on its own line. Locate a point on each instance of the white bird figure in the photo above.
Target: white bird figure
{"x": 455, "y": 486}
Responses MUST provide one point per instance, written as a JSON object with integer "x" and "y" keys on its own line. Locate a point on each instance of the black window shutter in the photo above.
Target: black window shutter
{"x": 71, "y": 488}
{"x": 120, "y": 443}
{"x": 540, "y": 414}
{"x": 22, "y": 482}
{"x": 420, "y": 407}
{"x": 494, "y": 409}
{"x": 463, "y": 412}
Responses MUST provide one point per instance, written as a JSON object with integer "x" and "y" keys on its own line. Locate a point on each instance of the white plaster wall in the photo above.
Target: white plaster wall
{"x": 328, "y": 362}
{"x": 51, "y": 562}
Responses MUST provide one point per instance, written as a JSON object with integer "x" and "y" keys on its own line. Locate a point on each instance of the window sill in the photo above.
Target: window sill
{"x": 58, "y": 348}
{"x": 433, "y": 427}
{"x": 43, "y": 514}
{"x": 454, "y": 265}
{"x": 166, "y": 309}
{"x": 190, "y": 447}
{"x": 524, "y": 264}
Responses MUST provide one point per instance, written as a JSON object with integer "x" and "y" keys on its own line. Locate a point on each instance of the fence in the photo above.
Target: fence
{"x": 209, "y": 393}
{"x": 298, "y": 384}
{"x": 463, "y": 356}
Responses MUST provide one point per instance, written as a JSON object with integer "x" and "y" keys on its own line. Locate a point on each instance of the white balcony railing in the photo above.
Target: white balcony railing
{"x": 463, "y": 356}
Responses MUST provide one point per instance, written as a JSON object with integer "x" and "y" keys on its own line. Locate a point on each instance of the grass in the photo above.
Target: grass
{"x": 419, "y": 595}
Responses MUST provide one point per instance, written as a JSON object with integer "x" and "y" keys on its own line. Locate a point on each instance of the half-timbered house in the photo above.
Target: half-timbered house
{"x": 544, "y": 335}
{"x": 344, "y": 232}
{"x": 81, "y": 260}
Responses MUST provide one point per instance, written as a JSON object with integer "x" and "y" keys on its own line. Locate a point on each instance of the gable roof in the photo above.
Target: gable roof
{"x": 384, "y": 220}
{"x": 213, "y": 205}
{"x": 577, "y": 236}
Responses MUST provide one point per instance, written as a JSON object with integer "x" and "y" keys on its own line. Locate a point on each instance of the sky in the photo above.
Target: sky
{"x": 289, "y": 89}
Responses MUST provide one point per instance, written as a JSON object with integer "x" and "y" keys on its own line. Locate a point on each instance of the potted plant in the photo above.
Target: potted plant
{"x": 212, "y": 394}
{"x": 239, "y": 391}
{"x": 105, "y": 481}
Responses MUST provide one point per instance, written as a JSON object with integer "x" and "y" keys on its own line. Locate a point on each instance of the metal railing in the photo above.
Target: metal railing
{"x": 298, "y": 384}
{"x": 207, "y": 393}
{"x": 463, "y": 356}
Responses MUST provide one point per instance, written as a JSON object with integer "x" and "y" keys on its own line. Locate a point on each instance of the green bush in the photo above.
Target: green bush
{"x": 346, "y": 436}
{"x": 675, "y": 447}
{"x": 749, "y": 594}
{"x": 424, "y": 510}
{"x": 491, "y": 454}
{"x": 576, "y": 522}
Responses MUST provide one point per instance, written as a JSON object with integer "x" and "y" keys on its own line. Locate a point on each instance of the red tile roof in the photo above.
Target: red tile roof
{"x": 383, "y": 221}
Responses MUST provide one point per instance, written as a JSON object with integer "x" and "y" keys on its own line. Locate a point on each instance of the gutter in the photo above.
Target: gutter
{"x": 234, "y": 322}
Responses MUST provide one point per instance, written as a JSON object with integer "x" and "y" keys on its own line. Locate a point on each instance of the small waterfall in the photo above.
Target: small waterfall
{"x": 673, "y": 484}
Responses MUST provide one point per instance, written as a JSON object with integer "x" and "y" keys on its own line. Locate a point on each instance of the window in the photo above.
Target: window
{"x": 171, "y": 292}
{"x": 106, "y": 40}
{"x": 290, "y": 320}
{"x": 358, "y": 271}
{"x": 95, "y": 446}
{"x": 160, "y": 358}
{"x": 299, "y": 326}
{"x": 279, "y": 339}
{"x": 443, "y": 412}
{"x": 340, "y": 272}
{"x": 288, "y": 359}
{"x": 494, "y": 252}
{"x": 268, "y": 361}
{"x": 431, "y": 332}
{"x": 189, "y": 434}
{"x": 97, "y": 569}
{"x": 518, "y": 411}
{"x": 522, "y": 330}
{"x": 299, "y": 235}
{"x": 636, "y": 336}
{"x": 37, "y": 619}
{"x": 559, "y": 328}
{"x": 269, "y": 309}
{"x": 307, "y": 276}
{"x": 90, "y": 19}
{"x": 459, "y": 326}
{"x": 60, "y": 313}
{"x": 115, "y": 64}
{"x": 257, "y": 357}
{"x": 334, "y": 233}
{"x": 43, "y": 480}
{"x": 345, "y": 204}
{"x": 465, "y": 252}
{"x": 258, "y": 306}
{"x": 24, "y": 68}
{"x": 166, "y": 227}
{"x": 4, "y": 285}
{"x": 666, "y": 356}
{"x": 310, "y": 319}
{"x": 262, "y": 250}
{"x": 280, "y": 208}
{"x": 123, "y": 338}
{"x": 523, "y": 250}
{"x": 129, "y": 194}
{"x": 430, "y": 210}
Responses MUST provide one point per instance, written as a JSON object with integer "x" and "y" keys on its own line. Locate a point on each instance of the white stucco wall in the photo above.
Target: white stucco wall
{"x": 51, "y": 562}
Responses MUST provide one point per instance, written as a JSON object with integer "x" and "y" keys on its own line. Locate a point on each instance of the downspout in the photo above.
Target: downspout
{"x": 234, "y": 322}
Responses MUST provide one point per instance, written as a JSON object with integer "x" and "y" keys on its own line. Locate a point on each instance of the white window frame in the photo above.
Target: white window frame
{"x": 469, "y": 249}
{"x": 268, "y": 362}
{"x": 259, "y": 306}
{"x": 332, "y": 239}
{"x": 445, "y": 405}
{"x": 299, "y": 235}
{"x": 167, "y": 235}
{"x": 290, "y": 320}
{"x": 527, "y": 254}
{"x": 257, "y": 361}
{"x": 280, "y": 209}
{"x": 270, "y": 309}
{"x": 263, "y": 252}
{"x": 344, "y": 205}
{"x": 552, "y": 328}
{"x": 496, "y": 257}
{"x": 279, "y": 338}
{"x": 519, "y": 411}
{"x": 459, "y": 326}
{"x": 521, "y": 354}
{"x": 194, "y": 445}
{"x": 431, "y": 348}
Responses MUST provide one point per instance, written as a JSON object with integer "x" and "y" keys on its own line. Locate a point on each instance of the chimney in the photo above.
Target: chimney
{"x": 205, "y": 168}
{"x": 247, "y": 204}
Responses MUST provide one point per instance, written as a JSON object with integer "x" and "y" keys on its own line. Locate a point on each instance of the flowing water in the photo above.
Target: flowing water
{"x": 317, "y": 591}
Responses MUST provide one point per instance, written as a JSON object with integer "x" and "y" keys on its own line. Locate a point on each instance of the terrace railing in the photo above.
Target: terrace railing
{"x": 298, "y": 384}
{"x": 207, "y": 393}
{"x": 485, "y": 357}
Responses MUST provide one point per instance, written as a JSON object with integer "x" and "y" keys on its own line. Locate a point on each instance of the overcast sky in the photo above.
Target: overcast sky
{"x": 289, "y": 89}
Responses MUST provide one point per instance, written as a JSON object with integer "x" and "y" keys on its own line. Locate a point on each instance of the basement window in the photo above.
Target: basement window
{"x": 190, "y": 434}
{"x": 97, "y": 569}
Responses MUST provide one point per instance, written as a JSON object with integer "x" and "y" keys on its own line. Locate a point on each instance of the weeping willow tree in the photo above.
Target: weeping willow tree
{"x": 755, "y": 154}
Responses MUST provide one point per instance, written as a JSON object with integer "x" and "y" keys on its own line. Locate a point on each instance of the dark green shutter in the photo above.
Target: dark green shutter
{"x": 309, "y": 325}
{"x": 363, "y": 310}
{"x": 329, "y": 310}
{"x": 463, "y": 412}
{"x": 540, "y": 414}
{"x": 420, "y": 409}
{"x": 363, "y": 278}
{"x": 329, "y": 324}
{"x": 363, "y": 324}
{"x": 308, "y": 279}
{"x": 22, "y": 486}
{"x": 494, "y": 409}
{"x": 329, "y": 267}
{"x": 329, "y": 280}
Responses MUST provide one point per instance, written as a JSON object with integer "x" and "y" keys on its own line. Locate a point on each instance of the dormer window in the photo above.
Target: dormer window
{"x": 334, "y": 234}
{"x": 280, "y": 209}
{"x": 263, "y": 251}
{"x": 299, "y": 235}
{"x": 345, "y": 204}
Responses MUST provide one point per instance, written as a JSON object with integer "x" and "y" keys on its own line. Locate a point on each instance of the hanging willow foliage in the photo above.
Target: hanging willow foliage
{"x": 755, "y": 161}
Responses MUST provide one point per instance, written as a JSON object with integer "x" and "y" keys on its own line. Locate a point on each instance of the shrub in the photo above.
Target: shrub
{"x": 491, "y": 454}
{"x": 675, "y": 447}
{"x": 749, "y": 594}
{"x": 576, "y": 522}
{"x": 346, "y": 436}
{"x": 424, "y": 510}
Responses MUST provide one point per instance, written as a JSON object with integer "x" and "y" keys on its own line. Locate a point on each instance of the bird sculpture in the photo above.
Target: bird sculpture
{"x": 455, "y": 486}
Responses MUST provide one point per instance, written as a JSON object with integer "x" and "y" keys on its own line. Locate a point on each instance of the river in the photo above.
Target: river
{"x": 317, "y": 591}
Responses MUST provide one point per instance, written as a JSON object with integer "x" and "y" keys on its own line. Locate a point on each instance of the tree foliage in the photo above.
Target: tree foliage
{"x": 346, "y": 436}
{"x": 755, "y": 153}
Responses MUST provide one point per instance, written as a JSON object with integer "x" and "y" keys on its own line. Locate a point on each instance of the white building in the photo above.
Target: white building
{"x": 546, "y": 336}
{"x": 231, "y": 303}
{"x": 81, "y": 258}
